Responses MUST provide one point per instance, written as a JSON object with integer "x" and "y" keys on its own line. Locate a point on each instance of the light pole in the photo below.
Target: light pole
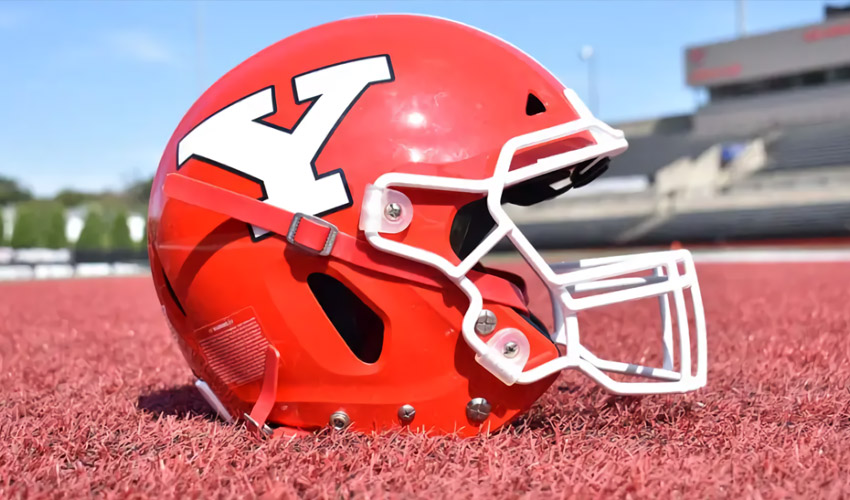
{"x": 588, "y": 55}
{"x": 199, "y": 46}
{"x": 742, "y": 18}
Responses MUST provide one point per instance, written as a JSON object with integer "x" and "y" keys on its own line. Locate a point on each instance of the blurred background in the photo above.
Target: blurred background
{"x": 737, "y": 112}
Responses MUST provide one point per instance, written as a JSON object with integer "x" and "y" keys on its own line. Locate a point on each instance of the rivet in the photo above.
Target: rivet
{"x": 486, "y": 322}
{"x": 510, "y": 350}
{"x": 406, "y": 413}
{"x": 339, "y": 420}
{"x": 477, "y": 410}
{"x": 392, "y": 211}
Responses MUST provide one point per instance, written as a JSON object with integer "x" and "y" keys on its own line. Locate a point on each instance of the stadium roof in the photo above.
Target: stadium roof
{"x": 788, "y": 52}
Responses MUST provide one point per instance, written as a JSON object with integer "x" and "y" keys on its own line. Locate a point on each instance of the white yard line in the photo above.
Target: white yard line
{"x": 23, "y": 272}
{"x": 755, "y": 256}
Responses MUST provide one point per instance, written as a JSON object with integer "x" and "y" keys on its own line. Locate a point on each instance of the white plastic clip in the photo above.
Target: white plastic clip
{"x": 373, "y": 216}
{"x": 507, "y": 353}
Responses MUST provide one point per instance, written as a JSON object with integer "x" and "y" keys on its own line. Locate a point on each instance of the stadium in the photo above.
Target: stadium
{"x": 97, "y": 400}
{"x": 764, "y": 158}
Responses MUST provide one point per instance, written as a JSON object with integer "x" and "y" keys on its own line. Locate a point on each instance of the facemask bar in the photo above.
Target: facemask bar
{"x": 596, "y": 273}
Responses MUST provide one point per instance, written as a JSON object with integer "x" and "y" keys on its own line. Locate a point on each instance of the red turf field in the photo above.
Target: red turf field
{"x": 95, "y": 401}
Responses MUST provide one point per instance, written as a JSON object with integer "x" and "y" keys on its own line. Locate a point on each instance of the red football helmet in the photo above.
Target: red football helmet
{"x": 319, "y": 216}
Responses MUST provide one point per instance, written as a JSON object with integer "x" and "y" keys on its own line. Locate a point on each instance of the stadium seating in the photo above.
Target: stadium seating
{"x": 579, "y": 233}
{"x": 810, "y": 146}
{"x": 732, "y": 194}
{"x": 648, "y": 154}
{"x": 820, "y": 220}
{"x": 762, "y": 112}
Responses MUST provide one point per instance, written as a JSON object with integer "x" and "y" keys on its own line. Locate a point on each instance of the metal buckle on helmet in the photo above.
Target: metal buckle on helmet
{"x": 265, "y": 431}
{"x": 329, "y": 241}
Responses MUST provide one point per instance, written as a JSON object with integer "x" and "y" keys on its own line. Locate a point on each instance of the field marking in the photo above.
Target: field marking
{"x": 41, "y": 272}
{"x": 770, "y": 256}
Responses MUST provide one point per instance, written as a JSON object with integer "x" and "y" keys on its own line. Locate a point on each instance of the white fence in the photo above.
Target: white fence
{"x": 41, "y": 263}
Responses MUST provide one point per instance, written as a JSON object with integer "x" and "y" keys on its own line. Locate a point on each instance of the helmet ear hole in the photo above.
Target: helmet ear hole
{"x": 359, "y": 326}
{"x": 533, "y": 105}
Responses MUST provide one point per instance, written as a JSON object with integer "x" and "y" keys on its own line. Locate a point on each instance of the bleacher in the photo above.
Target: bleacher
{"x": 773, "y": 222}
{"x": 762, "y": 112}
{"x": 648, "y": 154}
{"x": 810, "y": 146}
{"x": 579, "y": 233}
{"x": 799, "y": 189}
{"x": 789, "y": 148}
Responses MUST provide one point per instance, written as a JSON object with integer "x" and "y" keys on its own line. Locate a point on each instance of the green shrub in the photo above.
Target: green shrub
{"x": 94, "y": 235}
{"x": 39, "y": 223}
{"x": 54, "y": 228}
{"x": 26, "y": 229}
{"x": 119, "y": 235}
{"x": 2, "y": 229}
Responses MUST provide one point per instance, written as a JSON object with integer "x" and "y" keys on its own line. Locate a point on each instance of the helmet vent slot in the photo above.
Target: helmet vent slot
{"x": 533, "y": 105}
{"x": 358, "y": 325}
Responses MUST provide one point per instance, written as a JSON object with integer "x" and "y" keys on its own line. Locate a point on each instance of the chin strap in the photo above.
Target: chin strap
{"x": 319, "y": 237}
{"x": 256, "y": 421}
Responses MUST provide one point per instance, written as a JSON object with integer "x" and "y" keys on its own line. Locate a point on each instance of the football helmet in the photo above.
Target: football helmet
{"x": 318, "y": 221}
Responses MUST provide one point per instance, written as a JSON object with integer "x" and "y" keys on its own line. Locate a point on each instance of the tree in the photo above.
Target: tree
{"x": 54, "y": 235}
{"x": 2, "y": 228}
{"x": 119, "y": 236}
{"x": 93, "y": 236}
{"x": 72, "y": 197}
{"x": 11, "y": 192}
{"x": 139, "y": 192}
{"x": 25, "y": 231}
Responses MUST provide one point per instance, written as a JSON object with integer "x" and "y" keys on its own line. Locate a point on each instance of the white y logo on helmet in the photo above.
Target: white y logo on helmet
{"x": 282, "y": 161}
